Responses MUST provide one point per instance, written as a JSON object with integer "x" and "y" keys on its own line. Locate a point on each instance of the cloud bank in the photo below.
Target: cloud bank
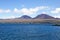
{"x": 5, "y": 11}
{"x": 24, "y": 10}
{"x": 31, "y": 11}
{"x": 57, "y": 10}
{"x": 28, "y": 11}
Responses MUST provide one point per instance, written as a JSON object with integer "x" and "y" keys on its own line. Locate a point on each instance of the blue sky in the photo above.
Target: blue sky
{"x": 17, "y": 8}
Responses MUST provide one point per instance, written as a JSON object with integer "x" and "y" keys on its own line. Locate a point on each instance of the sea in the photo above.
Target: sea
{"x": 18, "y": 31}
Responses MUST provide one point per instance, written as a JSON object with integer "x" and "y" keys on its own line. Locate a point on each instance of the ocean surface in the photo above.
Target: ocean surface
{"x": 42, "y": 31}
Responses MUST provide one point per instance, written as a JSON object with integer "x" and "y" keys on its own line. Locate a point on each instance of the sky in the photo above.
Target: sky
{"x": 17, "y": 8}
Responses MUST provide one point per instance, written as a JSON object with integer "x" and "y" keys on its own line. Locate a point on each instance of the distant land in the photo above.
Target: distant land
{"x": 27, "y": 19}
{"x": 41, "y": 16}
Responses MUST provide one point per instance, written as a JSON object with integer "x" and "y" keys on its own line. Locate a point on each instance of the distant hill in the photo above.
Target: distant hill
{"x": 25, "y": 17}
{"x": 44, "y": 16}
{"x": 41, "y": 16}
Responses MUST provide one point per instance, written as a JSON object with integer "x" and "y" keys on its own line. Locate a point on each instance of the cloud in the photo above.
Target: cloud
{"x": 16, "y": 10}
{"x": 1, "y": 10}
{"x": 57, "y": 16}
{"x": 44, "y": 12}
{"x": 29, "y": 11}
{"x": 5, "y": 11}
{"x": 8, "y": 17}
{"x": 57, "y": 10}
{"x": 23, "y": 11}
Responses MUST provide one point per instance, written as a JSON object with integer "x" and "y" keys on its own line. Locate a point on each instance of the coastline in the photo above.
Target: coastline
{"x": 53, "y": 21}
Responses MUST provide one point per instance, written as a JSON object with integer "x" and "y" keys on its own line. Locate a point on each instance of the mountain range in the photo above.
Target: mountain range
{"x": 27, "y": 19}
{"x": 41, "y": 16}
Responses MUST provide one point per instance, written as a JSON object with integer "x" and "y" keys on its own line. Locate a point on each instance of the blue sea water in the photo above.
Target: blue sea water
{"x": 43, "y": 31}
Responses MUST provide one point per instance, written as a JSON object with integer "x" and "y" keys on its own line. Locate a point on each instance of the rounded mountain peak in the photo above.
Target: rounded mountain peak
{"x": 25, "y": 17}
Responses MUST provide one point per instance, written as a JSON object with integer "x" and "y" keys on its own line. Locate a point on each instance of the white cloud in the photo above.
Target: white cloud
{"x": 29, "y": 11}
{"x": 57, "y": 10}
{"x": 8, "y": 17}
{"x": 24, "y": 11}
{"x": 57, "y": 16}
{"x": 16, "y": 10}
{"x": 1, "y": 10}
{"x": 44, "y": 12}
{"x": 5, "y": 11}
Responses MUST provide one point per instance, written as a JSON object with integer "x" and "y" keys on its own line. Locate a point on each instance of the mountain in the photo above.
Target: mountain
{"x": 44, "y": 16}
{"x": 41, "y": 16}
{"x": 25, "y": 17}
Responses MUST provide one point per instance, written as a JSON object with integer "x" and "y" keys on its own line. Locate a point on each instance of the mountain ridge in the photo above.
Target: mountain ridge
{"x": 44, "y": 16}
{"x": 25, "y": 17}
{"x": 41, "y": 16}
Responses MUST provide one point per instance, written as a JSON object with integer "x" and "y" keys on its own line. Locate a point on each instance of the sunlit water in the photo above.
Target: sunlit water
{"x": 43, "y": 31}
